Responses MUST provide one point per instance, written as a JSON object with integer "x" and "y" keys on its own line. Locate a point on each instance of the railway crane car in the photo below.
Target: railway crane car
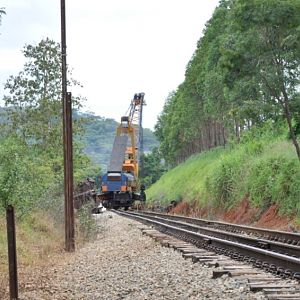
{"x": 120, "y": 185}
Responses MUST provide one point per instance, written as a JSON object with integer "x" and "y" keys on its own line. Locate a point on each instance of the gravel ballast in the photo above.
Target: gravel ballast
{"x": 124, "y": 264}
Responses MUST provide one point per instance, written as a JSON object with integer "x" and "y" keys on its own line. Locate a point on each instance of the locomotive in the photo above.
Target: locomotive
{"x": 120, "y": 185}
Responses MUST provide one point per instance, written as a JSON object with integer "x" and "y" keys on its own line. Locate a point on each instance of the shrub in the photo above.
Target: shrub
{"x": 275, "y": 180}
{"x": 223, "y": 183}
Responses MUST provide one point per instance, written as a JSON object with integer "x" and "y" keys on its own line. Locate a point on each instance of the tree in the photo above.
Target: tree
{"x": 267, "y": 49}
{"x": 193, "y": 118}
{"x": 153, "y": 167}
{"x": 24, "y": 175}
{"x": 244, "y": 72}
{"x": 34, "y": 99}
{"x": 33, "y": 110}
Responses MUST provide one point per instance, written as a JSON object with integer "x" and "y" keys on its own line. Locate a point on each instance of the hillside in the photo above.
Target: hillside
{"x": 238, "y": 106}
{"x": 254, "y": 182}
{"x": 99, "y": 136}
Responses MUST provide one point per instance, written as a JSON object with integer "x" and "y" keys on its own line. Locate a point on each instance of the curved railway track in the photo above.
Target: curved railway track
{"x": 277, "y": 253}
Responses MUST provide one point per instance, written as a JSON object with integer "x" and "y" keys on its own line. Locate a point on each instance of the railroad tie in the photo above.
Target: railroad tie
{"x": 189, "y": 249}
{"x": 260, "y": 287}
{"x": 241, "y": 272}
{"x": 283, "y": 297}
{"x": 262, "y": 279}
{"x": 256, "y": 279}
{"x": 192, "y": 254}
{"x": 219, "y": 273}
{"x": 224, "y": 262}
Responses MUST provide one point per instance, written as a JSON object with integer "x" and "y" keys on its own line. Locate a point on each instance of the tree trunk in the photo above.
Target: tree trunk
{"x": 289, "y": 121}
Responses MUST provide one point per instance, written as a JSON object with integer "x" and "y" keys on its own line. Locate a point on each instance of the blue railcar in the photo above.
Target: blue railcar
{"x": 120, "y": 186}
{"x": 117, "y": 190}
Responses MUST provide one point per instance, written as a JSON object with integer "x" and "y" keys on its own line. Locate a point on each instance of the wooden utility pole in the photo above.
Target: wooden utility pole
{"x": 67, "y": 140}
{"x": 12, "y": 252}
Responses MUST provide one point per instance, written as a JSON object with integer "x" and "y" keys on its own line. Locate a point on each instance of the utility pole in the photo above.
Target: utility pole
{"x": 12, "y": 252}
{"x": 67, "y": 140}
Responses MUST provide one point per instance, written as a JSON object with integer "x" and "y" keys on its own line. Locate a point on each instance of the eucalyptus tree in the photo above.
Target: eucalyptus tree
{"x": 266, "y": 49}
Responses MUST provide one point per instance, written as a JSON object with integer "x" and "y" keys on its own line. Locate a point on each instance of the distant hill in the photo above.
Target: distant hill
{"x": 99, "y": 137}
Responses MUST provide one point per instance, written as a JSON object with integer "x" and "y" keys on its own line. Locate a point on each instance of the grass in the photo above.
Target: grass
{"x": 37, "y": 236}
{"x": 39, "y": 239}
{"x": 264, "y": 166}
{"x": 186, "y": 181}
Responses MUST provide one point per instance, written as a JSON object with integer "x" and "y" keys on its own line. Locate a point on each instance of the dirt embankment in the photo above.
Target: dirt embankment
{"x": 243, "y": 213}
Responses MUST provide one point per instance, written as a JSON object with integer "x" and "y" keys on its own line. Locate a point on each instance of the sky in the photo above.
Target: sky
{"x": 115, "y": 48}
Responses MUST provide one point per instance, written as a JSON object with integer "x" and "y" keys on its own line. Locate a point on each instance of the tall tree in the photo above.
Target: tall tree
{"x": 34, "y": 109}
{"x": 245, "y": 71}
{"x": 34, "y": 99}
{"x": 267, "y": 49}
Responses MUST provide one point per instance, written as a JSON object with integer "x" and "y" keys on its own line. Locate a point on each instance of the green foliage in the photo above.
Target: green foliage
{"x": 23, "y": 175}
{"x": 87, "y": 226}
{"x": 99, "y": 134}
{"x": 243, "y": 73}
{"x": 275, "y": 180}
{"x": 34, "y": 108}
{"x": 272, "y": 47}
{"x": 153, "y": 167}
{"x": 186, "y": 181}
{"x": 263, "y": 167}
{"x": 224, "y": 183}
{"x": 31, "y": 151}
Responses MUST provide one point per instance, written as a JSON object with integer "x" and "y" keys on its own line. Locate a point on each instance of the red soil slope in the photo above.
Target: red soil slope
{"x": 243, "y": 213}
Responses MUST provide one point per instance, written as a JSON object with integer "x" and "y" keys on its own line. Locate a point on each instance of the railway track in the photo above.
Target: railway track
{"x": 274, "y": 254}
{"x": 272, "y": 235}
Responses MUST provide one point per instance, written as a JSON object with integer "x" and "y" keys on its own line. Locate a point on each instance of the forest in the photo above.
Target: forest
{"x": 229, "y": 132}
{"x": 243, "y": 73}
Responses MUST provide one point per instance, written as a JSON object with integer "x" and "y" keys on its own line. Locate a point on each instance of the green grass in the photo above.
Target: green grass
{"x": 186, "y": 181}
{"x": 263, "y": 166}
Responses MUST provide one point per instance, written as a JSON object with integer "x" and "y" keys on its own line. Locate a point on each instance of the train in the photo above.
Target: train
{"x": 120, "y": 185}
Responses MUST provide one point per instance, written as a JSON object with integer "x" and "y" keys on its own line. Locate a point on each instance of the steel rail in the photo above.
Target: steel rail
{"x": 269, "y": 234}
{"x": 281, "y": 264}
{"x": 278, "y": 247}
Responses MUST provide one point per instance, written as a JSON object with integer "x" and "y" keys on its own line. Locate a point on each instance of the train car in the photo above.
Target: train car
{"x": 118, "y": 190}
{"x": 120, "y": 185}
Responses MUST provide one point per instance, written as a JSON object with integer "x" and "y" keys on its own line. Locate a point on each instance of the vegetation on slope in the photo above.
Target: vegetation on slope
{"x": 241, "y": 85}
{"x": 244, "y": 72}
{"x": 263, "y": 166}
{"x": 31, "y": 156}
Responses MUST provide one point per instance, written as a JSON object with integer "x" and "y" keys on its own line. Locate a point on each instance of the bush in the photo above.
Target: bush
{"x": 87, "y": 228}
{"x": 24, "y": 175}
{"x": 264, "y": 166}
{"x": 222, "y": 185}
{"x": 275, "y": 180}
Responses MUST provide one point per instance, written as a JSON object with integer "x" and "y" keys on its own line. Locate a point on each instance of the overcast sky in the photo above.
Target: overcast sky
{"x": 116, "y": 48}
